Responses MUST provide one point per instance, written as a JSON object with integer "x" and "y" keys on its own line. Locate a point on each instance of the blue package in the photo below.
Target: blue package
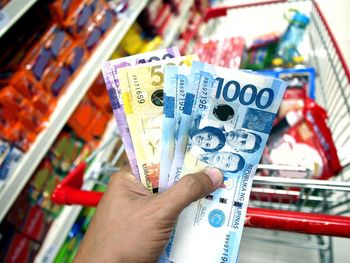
{"x": 9, "y": 163}
{"x": 295, "y": 77}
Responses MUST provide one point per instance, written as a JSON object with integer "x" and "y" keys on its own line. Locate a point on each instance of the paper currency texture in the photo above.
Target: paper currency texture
{"x": 110, "y": 74}
{"x": 143, "y": 97}
{"x": 231, "y": 120}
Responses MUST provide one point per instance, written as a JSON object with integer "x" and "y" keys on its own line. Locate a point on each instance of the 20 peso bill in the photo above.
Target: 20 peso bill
{"x": 143, "y": 98}
{"x": 231, "y": 121}
{"x": 110, "y": 74}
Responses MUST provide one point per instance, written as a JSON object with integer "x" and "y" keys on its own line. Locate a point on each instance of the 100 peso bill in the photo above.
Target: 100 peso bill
{"x": 230, "y": 122}
{"x": 143, "y": 95}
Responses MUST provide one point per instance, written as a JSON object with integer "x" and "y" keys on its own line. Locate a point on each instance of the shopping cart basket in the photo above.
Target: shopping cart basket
{"x": 308, "y": 206}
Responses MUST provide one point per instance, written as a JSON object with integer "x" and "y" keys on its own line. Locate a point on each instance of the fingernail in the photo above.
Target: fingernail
{"x": 215, "y": 176}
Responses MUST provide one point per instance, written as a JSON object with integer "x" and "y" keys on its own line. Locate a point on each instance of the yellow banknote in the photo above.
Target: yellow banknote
{"x": 142, "y": 94}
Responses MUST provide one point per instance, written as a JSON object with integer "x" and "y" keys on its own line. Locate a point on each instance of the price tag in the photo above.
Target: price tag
{"x": 3, "y": 19}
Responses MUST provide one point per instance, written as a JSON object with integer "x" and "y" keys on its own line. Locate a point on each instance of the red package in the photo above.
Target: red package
{"x": 31, "y": 120}
{"x": 33, "y": 224}
{"x": 162, "y": 16}
{"x": 32, "y": 90}
{"x": 21, "y": 250}
{"x": 16, "y": 133}
{"x": 88, "y": 122}
{"x": 16, "y": 108}
{"x": 98, "y": 95}
{"x": 303, "y": 138}
{"x": 294, "y": 99}
{"x": 11, "y": 103}
{"x": 216, "y": 52}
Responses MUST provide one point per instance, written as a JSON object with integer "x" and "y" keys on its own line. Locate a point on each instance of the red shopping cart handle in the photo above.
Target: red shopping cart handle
{"x": 69, "y": 192}
{"x": 301, "y": 222}
{"x": 215, "y": 12}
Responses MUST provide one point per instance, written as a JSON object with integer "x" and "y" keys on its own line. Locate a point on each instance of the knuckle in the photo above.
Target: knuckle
{"x": 193, "y": 186}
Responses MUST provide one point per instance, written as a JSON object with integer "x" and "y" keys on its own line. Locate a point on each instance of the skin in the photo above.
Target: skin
{"x": 206, "y": 140}
{"x": 132, "y": 225}
{"x": 225, "y": 160}
{"x": 240, "y": 140}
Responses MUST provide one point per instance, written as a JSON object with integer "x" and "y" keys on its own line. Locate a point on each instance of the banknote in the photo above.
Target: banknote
{"x": 192, "y": 95}
{"x": 175, "y": 86}
{"x": 230, "y": 126}
{"x": 142, "y": 94}
{"x": 110, "y": 74}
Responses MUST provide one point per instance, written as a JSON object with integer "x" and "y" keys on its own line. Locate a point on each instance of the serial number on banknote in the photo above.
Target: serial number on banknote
{"x": 224, "y": 255}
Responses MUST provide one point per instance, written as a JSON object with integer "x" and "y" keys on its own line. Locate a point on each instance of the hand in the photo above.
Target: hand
{"x": 132, "y": 225}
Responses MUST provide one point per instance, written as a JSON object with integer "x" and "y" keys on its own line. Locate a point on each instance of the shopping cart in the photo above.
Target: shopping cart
{"x": 308, "y": 206}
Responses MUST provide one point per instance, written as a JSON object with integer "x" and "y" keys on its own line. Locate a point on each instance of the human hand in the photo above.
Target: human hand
{"x": 132, "y": 225}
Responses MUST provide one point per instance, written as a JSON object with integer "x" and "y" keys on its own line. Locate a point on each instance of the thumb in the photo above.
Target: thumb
{"x": 190, "y": 188}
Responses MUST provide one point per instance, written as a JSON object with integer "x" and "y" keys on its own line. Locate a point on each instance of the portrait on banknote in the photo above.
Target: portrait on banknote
{"x": 212, "y": 139}
{"x": 223, "y": 160}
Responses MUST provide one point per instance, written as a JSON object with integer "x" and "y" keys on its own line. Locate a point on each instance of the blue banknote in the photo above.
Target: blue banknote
{"x": 175, "y": 85}
{"x": 193, "y": 93}
{"x": 230, "y": 121}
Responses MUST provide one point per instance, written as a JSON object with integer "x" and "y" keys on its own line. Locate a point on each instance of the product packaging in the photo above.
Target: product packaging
{"x": 78, "y": 21}
{"x": 88, "y": 122}
{"x": 215, "y": 52}
{"x": 98, "y": 95}
{"x": 59, "y": 74}
{"x": 301, "y": 84}
{"x": 9, "y": 159}
{"x": 97, "y": 29}
{"x": 260, "y": 52}
{"x": 302, "y": 138}
{"x": 49, "y": 49}
{"x": 61, "y": 9}
{"x": 32, "y": 90}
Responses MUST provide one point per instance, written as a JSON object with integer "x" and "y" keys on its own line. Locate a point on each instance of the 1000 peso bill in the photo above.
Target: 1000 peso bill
{"x": 231, "y": 121}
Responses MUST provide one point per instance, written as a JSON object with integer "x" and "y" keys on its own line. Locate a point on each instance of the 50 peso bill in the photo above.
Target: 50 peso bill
{"x": 110, "y": 74}
{"x": 231, "y": 121}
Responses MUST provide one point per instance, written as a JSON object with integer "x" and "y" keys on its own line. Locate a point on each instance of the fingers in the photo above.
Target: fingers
{"x": 189, "y": 189}
{"x": 124, "y": 183}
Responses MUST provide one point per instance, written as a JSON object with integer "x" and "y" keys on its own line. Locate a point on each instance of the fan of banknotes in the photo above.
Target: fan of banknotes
{"x": 177, "y": 116}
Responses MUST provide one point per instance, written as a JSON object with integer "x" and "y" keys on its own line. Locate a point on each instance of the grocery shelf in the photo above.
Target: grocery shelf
{"x": 65, "y": 107}
{"x": 11, "y": 12}
{"x": 63, "y": 223}
{"x": 176, "y": 24}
